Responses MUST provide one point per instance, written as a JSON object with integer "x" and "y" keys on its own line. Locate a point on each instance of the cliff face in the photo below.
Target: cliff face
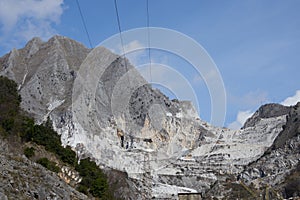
{"x": 45, "y": 72}
{"x": 267, "y": 111}
{"x": 103, "y": 108}
{"x": 279, "y": 168}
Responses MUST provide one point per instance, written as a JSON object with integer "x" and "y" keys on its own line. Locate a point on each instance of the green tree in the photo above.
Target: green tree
{"x": 93, "y": 178}
{"x": 14, "y": 123}
{"x": 48, "y": 164}
{"x": 29, "y": 152}
{"x": 9, "y": 104}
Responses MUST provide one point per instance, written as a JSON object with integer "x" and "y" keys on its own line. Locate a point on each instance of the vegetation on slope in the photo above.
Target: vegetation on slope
{"x": 48, "y": 164}
{"x": 14, "y": 123}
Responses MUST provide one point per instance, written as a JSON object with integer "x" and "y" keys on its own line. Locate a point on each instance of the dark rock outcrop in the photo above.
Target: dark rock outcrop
{"x": 290, "y": 129}
{"x": 267, "y": 111}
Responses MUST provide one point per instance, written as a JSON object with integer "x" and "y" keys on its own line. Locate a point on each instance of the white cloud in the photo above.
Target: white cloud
{"x": 31, "y": 29}
{"x": 22, "y": 20}
{"x": 249, "y": 100}
{"x": 241, "y": 118}
{"x": 132, "y": 46}
{"x": 290, "y": 101}
{"x": 134, "y": 51}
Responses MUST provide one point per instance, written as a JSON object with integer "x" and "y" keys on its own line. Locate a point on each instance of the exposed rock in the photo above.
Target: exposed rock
{"x": 45, "y": 72}
{"x": 267, "y": 111}
{"x": 103, "y": 108}
{"x": 21, "y": 178}
{"x": 290, "y": 129}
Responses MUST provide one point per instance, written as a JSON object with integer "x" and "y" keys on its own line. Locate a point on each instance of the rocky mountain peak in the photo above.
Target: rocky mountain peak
{"x": 267, "y": 111}
{"x": 44, "y": 71}
{"x": 36, "y": 41}
{"x": 23, "y": 61}
{"x": 290, "y": 129}
{"x": 103, "y": 108}
{"x": 33, "y": 46}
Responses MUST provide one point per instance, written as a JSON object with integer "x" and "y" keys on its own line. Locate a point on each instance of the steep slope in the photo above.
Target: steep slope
{"x": 45, "y": 72}
{"x": 267, "y": 111}
{"x": 281, "y": 158}
{"x": 290, "y": 129}
{"x": 274, "y": 174}
{"x": 103, "y": 108}
{"x": 21, "y": 178}
{"x": 19, "y": 136}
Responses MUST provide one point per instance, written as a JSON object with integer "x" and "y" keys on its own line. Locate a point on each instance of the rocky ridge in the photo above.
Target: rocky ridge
{"x": 267, "y": 111}
{"x": 161, "y": 144}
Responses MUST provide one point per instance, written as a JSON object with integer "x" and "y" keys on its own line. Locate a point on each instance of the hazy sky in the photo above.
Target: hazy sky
{"x": 254, "y": 43}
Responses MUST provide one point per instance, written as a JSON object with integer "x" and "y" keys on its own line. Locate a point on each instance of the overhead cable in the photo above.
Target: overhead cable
{"x": 84, "y": 24}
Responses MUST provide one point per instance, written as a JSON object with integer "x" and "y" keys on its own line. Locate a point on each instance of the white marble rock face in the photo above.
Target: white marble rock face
{"x": 163, "y": 144}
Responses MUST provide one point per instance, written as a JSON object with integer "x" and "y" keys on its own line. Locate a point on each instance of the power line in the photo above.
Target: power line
{"x": 119, "y": 26}
{"x": 122, "y": 43}
{"x": 148, "y": 32}
{"x": 147, "y": 167}
{"x": 84, "y": 24}
{"x": 121, "y": 38}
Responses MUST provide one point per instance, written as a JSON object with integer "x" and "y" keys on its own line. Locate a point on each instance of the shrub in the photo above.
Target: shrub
{"x": 83, "y": 189}
{"x": 67, "y": 155}
{"x": 9, "y": 103}
{"x": 44, "y": 135}
{"x": 29, "y": 152}
{"x": 93, "y": 178}
{"x": 48, "y": 164}
{"x": 13, "y": 122}
{"x": 9, "y": 107}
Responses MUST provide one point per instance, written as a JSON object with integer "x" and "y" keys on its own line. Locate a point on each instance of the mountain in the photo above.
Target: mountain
{"x": 267, "y": 111}
{"x": 157, "y": 147}
{"x": 44, "y": 72}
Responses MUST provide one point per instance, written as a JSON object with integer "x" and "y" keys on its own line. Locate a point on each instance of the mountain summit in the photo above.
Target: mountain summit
{"x": 103, "y": 108}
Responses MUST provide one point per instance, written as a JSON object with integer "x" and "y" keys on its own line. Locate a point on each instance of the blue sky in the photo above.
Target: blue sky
{"x": 255, "y": 44}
